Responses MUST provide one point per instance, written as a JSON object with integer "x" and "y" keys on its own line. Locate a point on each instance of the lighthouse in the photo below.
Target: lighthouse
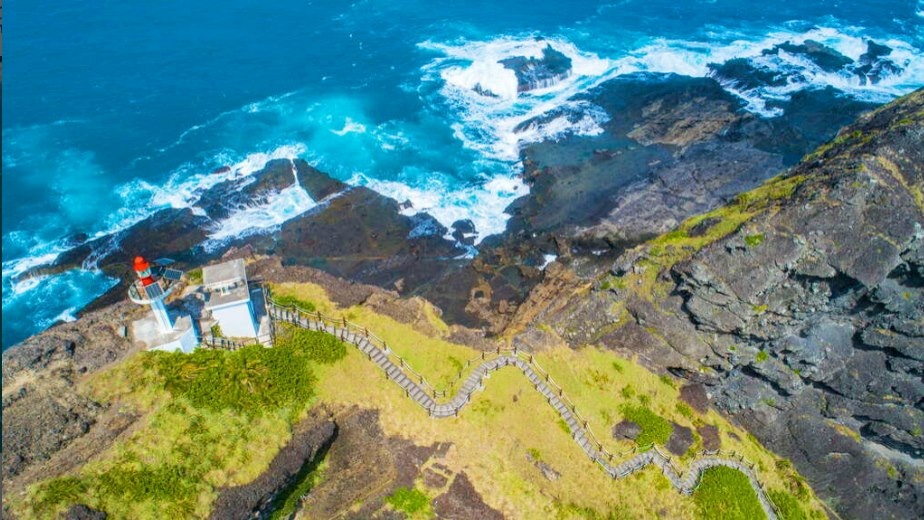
{"x": 152, "y": 292}
{"x": 159, "y": 331}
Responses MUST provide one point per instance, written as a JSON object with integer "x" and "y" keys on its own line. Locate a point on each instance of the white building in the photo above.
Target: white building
{"x": 228, "y": 298}
{"x": 160, "y": 330}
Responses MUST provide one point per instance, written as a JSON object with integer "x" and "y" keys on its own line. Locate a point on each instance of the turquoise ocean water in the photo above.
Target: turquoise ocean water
{"x": 116, "y": 109}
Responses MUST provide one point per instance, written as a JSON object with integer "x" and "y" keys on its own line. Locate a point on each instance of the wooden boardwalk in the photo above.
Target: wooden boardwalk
{"x": 439, "y": 405}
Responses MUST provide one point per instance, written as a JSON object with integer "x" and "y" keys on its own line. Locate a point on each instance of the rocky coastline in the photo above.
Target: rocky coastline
{"x": 810, "y": 335}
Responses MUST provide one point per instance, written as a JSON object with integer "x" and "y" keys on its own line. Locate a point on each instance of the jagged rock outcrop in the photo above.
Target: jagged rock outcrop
{"x": 805, "y": 322}
{"x": 537, "y": 73}
{"x": 353, "y": 232}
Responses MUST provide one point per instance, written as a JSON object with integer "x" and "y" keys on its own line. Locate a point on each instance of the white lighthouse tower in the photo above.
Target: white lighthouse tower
{"x": 159, "y": 331}
{"x": 149, "y": 291}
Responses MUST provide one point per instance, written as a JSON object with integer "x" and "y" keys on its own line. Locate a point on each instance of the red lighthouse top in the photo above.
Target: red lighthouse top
{"x": 143, "y": 269}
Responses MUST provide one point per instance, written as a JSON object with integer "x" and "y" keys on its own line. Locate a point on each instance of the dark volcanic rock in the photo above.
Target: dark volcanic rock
{"x": 680, "y": 440}
{"x": 743, "y": 74}
{"x": 365, "y": 466}
{"x": 537, "y": 73}
{"x": 45, "y": 419}
{"x": 626, "y": 430}
{"x": 710, "y": 436}
{"x": 825, "y": 57}
{"x": 811, "y": 316}
{"x": 873, "y": 64}
{"x": 462, "y": 502}
{"x": 310, "y": 441}
{"x": 695, "y": 396}
{"x": 353, "y": 232}
{"x": 82, "y": 512}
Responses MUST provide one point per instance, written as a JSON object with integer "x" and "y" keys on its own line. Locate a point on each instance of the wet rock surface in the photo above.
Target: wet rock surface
{"x": 804, "y": 324}
{"x": 673, "y": 147}
{"x": 536, "y": 73}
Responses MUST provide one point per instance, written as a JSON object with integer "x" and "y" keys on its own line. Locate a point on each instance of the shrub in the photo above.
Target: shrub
{"x": 195, "y": 276}
{"x": 409, "y": 501}
{"x": 788, "y": 505}
{"x": 684, "y": 410}
{"x": 318, "y": 346}
{"x": 666, "y": 379}
{"x": 61, "y": 491}
{"x": 762, "y": 356}
{"x": 655, "y": 429}
{"x": 726, "y": 493}
{"x": 291, "y": 301}
{"x": 252, "y": 379}
{"x": 754, "y": 240}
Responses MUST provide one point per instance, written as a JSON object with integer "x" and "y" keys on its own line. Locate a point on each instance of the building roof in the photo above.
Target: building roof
{"x": 226, "y": 283}
{"x": 219, "y": 298}
{"x": 227, "y": 273}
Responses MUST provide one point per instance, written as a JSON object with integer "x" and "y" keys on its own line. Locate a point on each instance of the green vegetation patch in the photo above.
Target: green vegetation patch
{"x": 195, "y": 276}
{"x": 307, "y": 479}
{"x": 762, "y": 356}
{"x": 655, "y": 429}
{"x": 250, "y": 380}
{"x": 726, "y": 493}
{"x": 165, "y": 470}
{"x": 411, "y": 501}
{"x": 216, "y": 331}
{"x": 754, "y": 240}
{"x": 224, "y": 418}
{"x": 287, "y": 300}
{"x": 318, "y": 346}
{"x": 789, "y": 507}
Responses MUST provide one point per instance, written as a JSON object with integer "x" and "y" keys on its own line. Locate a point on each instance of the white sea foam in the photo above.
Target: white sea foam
{"x": 350, "y": 126}
{"x": 692, "y": 58}
{"x": 482, "y": 203}
{"x": 183, "y": 189}
{"x": 279, "y": 207}
{"x": 67, "y": 315}
{"x": 483, "y": 93}
{"x": 547, "y": 259}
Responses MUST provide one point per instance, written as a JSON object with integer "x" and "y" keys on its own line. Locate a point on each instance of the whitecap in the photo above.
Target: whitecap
{"x": 276, "y": 209}
{"x": 483, "y": 95}
{"x": 350, "y": 126}
{"x": 483, "y": 202}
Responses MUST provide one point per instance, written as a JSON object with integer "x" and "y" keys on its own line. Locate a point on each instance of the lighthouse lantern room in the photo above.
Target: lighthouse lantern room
{"x": 159, "y": 331}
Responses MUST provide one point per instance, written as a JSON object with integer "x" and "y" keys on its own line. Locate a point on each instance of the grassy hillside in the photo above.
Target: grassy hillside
{"x": 216, "y": 419}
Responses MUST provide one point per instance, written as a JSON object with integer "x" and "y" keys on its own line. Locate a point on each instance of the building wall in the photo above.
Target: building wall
{"x": 236, "y": 321}
{"x": 186, "y": 343}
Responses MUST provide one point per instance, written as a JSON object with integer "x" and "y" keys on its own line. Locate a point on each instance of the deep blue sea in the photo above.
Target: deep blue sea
{"x": 114, "y": 109}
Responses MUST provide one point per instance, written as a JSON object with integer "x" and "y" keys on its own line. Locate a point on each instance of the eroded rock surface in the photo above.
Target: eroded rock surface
{"x": 805, "y": 323}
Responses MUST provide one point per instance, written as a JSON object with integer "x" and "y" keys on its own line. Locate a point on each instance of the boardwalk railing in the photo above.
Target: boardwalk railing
{"x": 424, "y": 394}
